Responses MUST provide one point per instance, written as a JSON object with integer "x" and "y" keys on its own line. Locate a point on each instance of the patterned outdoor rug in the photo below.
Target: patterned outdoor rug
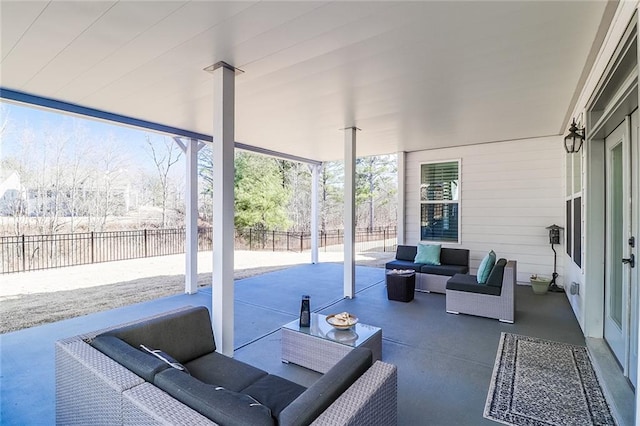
{"x": 538, "y": 382}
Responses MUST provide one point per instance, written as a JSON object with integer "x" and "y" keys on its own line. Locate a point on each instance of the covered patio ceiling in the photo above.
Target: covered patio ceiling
{"x": 411, "y": 75}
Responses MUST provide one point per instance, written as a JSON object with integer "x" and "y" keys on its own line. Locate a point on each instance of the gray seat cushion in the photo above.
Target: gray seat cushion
{"x": 317, "y": 398}
{"x": 403, "y": 264}
{"x": 139, "y": 362}
{"x": 185, "y": 335}
{"x": 469, "y": 283}
{"x": 274, "y": 392}
{"x": 221, "y": 405}
{"x": 452, "y": 261}
{"x": 449, "y": 270}
{"x": 220, "y": 370}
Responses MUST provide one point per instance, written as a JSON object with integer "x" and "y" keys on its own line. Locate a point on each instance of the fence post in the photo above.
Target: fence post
{"x": 24, "y": 257}
{"x": 145, "y": 243}
{"x": 273, "y": 240}
{"x": 92, "y": 248}
{"x": 301, "y": 248}
{"x": 384, "y": 240}
{"x": 287, "y": 240}
{"x": 249, "y": 239}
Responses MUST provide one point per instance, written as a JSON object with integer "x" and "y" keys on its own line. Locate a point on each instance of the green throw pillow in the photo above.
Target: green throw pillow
{"x": 428, "y": 253}
{"x": 485, "y": 267}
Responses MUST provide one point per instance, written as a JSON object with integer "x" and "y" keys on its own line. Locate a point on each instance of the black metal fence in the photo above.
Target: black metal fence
{"x": 34, "y": 252}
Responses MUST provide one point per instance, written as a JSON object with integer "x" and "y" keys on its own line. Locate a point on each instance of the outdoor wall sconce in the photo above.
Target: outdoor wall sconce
{"x": 573, "y": 141}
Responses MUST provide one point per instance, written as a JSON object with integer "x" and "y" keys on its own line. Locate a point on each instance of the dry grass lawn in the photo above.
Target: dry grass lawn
{"x": 26, "y": 310}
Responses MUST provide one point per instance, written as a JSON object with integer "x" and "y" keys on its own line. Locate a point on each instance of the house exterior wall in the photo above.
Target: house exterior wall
{"x": 588, "y": 304}
{"x": 510, "y": 192}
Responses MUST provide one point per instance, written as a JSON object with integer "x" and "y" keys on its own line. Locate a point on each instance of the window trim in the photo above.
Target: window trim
{"x": 458, "y": 202}
{"x": 574, "y": 200}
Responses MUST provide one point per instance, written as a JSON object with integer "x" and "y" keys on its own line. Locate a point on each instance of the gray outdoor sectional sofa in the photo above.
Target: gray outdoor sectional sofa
{"x": 432, "y": 278}
{"x": 106, "y": 377}
{"x": 494, "y": 299}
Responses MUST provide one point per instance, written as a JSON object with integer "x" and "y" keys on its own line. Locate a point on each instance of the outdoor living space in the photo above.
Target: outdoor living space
{"x": 511, "y": 133}
{"x": 444, "y": 361}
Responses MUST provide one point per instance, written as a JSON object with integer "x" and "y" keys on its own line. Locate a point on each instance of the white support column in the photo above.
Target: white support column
{"x": 400, "y": 209}
{"x": 191, "y": 149}
{"x": 223, "y": 211}
{"x": 349, "y": 212}
{"x": 315, "y": 168}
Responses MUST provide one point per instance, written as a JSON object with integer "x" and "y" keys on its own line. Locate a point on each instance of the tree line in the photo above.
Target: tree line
{"x": 272, "y": 193}
{"x": 66, "y": 180}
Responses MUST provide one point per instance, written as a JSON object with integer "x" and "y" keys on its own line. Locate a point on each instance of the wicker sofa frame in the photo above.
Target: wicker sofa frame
{"x": 431, "y": 282}
{"x": 92, "y": 388}
{"x": 501, "y": 307}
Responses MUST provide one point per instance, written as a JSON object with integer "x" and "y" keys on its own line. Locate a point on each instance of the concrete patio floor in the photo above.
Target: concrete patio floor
{"x": 444, "y": 361}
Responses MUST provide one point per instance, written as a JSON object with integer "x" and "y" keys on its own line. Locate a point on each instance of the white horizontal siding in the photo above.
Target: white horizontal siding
{"x": 510, "y": 192}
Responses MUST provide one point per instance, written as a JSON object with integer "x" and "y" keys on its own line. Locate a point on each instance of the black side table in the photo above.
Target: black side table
{"x": 401, "y": 285}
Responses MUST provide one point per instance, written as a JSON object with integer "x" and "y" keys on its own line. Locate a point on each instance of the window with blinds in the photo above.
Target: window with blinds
{"x": 439, "y": 201}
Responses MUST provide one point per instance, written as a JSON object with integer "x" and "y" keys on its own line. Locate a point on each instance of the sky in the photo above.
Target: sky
{"x": 19, "y": 118}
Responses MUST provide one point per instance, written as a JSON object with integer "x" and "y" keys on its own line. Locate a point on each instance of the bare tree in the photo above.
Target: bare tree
{"x": 205, "y": 174}
{"x": 12, "y": 200}
{"x": 331, "y": 187}
{"x": 164, "y": 157}
{"x": 298, "y": 184}
{"x": 375, "y": 186}
{"x": 41, "y": 169}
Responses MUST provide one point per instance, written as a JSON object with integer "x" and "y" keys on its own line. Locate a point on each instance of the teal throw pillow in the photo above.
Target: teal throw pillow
{"x": 485, "y": 267}
{"x": 428, "y": 253}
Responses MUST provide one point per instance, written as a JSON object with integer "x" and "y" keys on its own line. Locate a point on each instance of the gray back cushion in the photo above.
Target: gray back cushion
{"x": 221, "y": 370}
{"x": 451, "y": 256}
{"x": 141, "y": 363}
{"x": 185, "y": 335}
{"x": 406, "y": 252}
{"x": 221, "y": 405}
{"x": 317, "y": 398}
{"x": 495, "y": 277}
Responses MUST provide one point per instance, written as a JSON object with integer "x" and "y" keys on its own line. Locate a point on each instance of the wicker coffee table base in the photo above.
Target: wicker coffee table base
{"x": 320, "y": 354}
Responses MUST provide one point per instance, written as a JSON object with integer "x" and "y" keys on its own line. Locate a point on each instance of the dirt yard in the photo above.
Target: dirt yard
{"x": 39, "y": 297}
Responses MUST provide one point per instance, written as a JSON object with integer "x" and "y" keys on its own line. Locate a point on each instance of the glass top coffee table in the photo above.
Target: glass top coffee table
{"x": 320, "y": 346}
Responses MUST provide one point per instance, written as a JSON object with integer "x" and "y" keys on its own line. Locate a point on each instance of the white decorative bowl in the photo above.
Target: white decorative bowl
{"x": 341, "y": 324}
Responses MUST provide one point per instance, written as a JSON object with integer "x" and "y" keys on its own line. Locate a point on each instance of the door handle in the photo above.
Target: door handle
{"x": 631, "y": 260}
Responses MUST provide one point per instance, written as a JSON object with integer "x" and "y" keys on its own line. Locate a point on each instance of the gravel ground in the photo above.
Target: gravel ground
{"x": 57, "y": 294}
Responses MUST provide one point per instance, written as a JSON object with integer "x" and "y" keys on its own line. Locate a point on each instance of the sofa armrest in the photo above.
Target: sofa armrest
{"x": 371, "y": 400}
{"x": 89, "y": 385}
{"x": 322, "y": 393}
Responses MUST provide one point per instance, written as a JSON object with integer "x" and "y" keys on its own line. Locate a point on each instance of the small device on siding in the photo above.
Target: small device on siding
{"x": 305, "y": 312}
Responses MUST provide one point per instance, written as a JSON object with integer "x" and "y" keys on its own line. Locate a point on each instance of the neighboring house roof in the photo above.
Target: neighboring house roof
{"x": 9, "y": 180}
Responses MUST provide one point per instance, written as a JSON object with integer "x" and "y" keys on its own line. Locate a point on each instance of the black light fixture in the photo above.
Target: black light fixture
{"x": 554, "y": 238}
{"x": 573, "y": 141}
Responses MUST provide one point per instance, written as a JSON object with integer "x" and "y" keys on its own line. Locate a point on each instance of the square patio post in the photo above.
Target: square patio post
{"x": 349, "y": 211}
{"x": 315, "y": 168}
{"x": 190, "y": 150}
{"x": 401, "y": 161}
{"x": 223, "y": 203}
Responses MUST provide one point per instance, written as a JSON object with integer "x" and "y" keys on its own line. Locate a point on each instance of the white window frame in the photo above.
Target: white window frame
{"x": 458, "y": 202}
